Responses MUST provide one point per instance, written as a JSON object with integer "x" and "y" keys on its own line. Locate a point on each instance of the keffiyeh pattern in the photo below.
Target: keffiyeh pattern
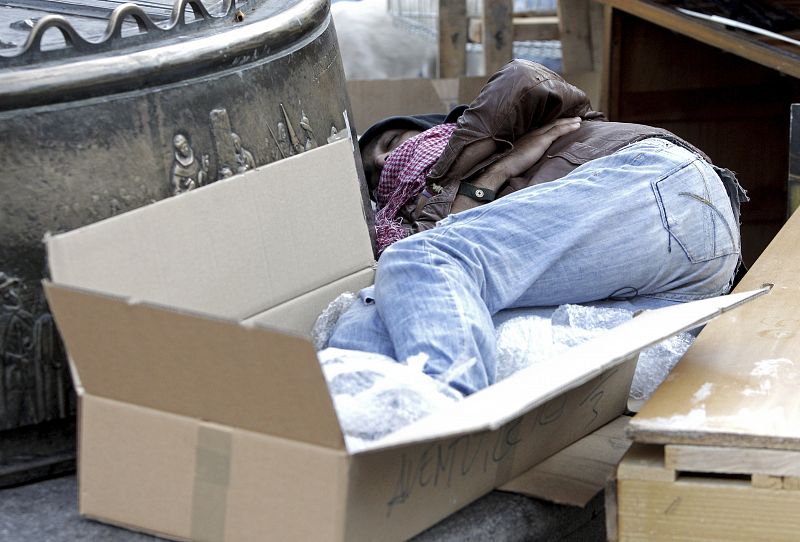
{"x": 403, "y": 178}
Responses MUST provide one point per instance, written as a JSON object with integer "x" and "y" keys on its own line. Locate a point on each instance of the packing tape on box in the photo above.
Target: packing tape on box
{"x": 211, "y": 478}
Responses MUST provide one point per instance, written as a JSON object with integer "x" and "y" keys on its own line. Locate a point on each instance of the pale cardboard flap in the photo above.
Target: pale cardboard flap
{"x": 234, "y": 248}
{"x": 504, "y": 401}
{"x": 299, "y": 315}
{"x": 373, "y": 100}
{"x": 215, "y": 370}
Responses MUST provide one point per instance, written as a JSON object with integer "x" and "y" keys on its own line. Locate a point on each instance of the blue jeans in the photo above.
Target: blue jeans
{"x": 652, "y": 222}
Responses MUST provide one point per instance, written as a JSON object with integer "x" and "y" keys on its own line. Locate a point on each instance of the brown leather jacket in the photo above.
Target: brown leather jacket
{"x": 520, "y": 97}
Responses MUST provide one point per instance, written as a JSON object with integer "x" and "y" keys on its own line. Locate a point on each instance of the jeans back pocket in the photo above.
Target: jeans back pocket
{"x": 696, "y": 212}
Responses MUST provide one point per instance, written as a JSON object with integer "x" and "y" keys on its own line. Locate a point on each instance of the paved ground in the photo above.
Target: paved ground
{"x": 47, "y": 512}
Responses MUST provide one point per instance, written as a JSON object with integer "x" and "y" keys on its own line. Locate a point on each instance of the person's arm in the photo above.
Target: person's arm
{"x": 519, "y": 98}
{"x": 527, "y": 151}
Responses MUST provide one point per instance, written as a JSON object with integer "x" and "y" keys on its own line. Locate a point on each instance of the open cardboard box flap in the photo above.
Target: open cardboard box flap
{"x": 504, "y": 401}
{"x": 234, "y": 248}
{"x": 167, "y": 285}
{"x": 193, "y": 365}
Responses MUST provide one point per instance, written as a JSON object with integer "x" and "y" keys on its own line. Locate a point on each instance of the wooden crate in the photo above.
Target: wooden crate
{"x": 707, "y": 493}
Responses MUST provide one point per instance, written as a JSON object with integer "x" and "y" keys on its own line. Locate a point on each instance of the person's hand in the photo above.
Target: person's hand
{"x": 527, "y": 151}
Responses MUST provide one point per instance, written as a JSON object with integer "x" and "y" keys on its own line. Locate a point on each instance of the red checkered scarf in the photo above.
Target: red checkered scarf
{"x": 403, "y": 178}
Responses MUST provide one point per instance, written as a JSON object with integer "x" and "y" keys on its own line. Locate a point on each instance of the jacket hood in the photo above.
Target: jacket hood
{"x": 417, "y": 122}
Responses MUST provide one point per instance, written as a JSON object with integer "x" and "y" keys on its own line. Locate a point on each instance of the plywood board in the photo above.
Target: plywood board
{"x": 737, "y": 385}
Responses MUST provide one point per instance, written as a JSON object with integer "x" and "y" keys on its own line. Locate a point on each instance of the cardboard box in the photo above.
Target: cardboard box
{"x": 204, "y": 413}
{"x": 375, "y": 99}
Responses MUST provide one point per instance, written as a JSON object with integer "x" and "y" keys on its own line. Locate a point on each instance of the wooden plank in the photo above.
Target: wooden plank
{"x": 793, "y": 200}
{"x": 576, "y": 39}
{"x": 612, "y": 519}
{"x": 698, "y": 507}
{"x": 737, "y": 385}
{"x": 597, "y": 25}
{"x": 791, "y": 483}
{"x": 452, "y": 23}
{"x": 645, "y": 462}
{"x": 498, "y": 37}
{"x": 610, "y": 73}
{"x": 536, "y": 28}
{"x": 766, "y": 481}
{"x": 705, "y": 509}
{"x": 738, "y": 43}
{"x": 525, "y": 29}
{"x": 732, "y": 460}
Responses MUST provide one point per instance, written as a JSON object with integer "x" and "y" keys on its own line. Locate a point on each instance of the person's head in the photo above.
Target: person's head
{"x": 181, "y": 144}
{"x": 385, "y": 136}
{"x": 237, "y": 142}
{"x": 374, "y": 153}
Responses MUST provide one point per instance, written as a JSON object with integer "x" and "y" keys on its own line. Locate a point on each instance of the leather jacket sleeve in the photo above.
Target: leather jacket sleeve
{"x": 521, "y": 96}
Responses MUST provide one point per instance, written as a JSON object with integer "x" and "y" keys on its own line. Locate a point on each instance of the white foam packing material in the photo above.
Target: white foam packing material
{"x": 321, "y": 332}
{"x": 374, "y": 395}
{"x": 525, "y": 340}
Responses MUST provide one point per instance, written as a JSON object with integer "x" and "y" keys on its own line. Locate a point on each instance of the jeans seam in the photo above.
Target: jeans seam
{"x": 452, "y": 302}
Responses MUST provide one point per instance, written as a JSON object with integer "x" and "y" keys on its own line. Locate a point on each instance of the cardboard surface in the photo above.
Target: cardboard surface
{"x": 299, "y": 314}
{"x": 184, "y": 479}
{"x": 738, "y": 383}
{"x": 580, "y": 471}
{"x": 195, "y": 424}
{"x": 221, "y": 371}
{"x": 374, "y": 100}
{"x": 225, "y": 249}
{"x": 423, "y": 482}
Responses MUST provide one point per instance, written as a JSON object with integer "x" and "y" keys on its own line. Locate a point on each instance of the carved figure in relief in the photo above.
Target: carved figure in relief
{"x": 202, "y": 175}
{"x": 225, "y": 171}
{"x": 272, "y": 149}
{"x": 305, "y": 124}
{"x": 244, "y": 158}
{"x": 293, "y": 139}
{"x": 283, "y": 140}
{"x": 184, "y": 166}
